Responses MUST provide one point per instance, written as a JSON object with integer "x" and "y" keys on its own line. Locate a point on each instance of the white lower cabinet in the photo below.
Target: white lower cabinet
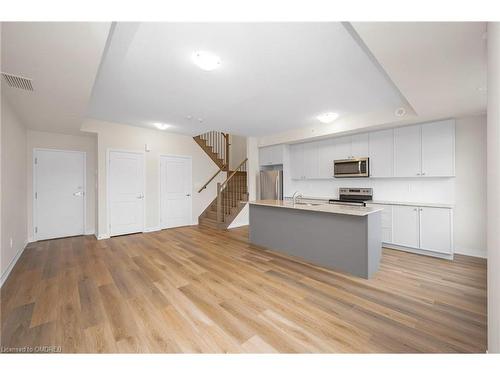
{"x": 426, "y": 230}
{"x": 406, "y": 226}
{"x": 436, "y": 229}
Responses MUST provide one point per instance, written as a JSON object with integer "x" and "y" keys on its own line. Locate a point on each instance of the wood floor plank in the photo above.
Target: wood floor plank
{"x": 201, "y": 290}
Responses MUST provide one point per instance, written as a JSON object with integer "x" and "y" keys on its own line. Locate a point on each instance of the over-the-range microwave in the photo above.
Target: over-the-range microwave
{"x": 358, "y": 167}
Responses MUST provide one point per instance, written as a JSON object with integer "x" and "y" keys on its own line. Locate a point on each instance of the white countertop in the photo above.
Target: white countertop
{"x": 318, "y": 207}
{"x": 395, "y": 203}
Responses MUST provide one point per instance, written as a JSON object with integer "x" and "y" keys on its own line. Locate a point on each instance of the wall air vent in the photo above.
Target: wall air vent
{"x": 17, "y": 82}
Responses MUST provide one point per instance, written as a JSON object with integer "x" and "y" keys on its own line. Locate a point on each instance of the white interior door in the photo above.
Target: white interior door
{"x": 126, "y": 192}
{"x": 175, "y": 191}
{"x": 59, "y": 194}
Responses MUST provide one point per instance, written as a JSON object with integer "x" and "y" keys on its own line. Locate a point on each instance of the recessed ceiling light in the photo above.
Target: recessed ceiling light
{"x": 400, "y": 112}
{"x": 162, "y": 126}
{"x": 327, "y": 117}
{"x": 206, "y": 60}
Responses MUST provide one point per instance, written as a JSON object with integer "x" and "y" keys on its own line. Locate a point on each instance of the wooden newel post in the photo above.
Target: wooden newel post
{"x": 219, "y": 203}
{"x": 227, "y": 151}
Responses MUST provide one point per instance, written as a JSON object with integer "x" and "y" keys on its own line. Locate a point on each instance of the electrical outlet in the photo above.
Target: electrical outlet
{"x": 11, "y": 243}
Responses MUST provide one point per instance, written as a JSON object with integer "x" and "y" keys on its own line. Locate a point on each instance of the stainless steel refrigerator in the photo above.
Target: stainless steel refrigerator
{"x": 271, "y": 184}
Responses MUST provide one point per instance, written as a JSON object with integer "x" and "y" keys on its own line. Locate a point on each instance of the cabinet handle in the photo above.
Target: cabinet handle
{"x": 418, "y": 174}
{"x": 414, "y": 209}
{"x": 423, "y": 173}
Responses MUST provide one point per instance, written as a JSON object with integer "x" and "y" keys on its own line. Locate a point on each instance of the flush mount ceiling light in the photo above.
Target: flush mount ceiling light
{"x": 162, "y": 126}
{"x": 327, "y": 117}
{"x": 206, "y": 60}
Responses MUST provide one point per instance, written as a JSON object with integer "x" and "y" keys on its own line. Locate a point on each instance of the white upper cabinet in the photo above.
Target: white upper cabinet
{"x": 359, "y": 145}
{"x": 341, "y": 148}
{"x": 325, "y": 158}
{"x": 297, "y": 161}
{"x": 426, "y": 150}
{"x": 381, "y": 153}
{"x": 436, "y": 229}
{"x": 438, "y": 149}
{"x": 407, "y": 151}
{"x": 310, "y": 162}
{"x": 271, "y": 155}
{"x": 264, "y": 155}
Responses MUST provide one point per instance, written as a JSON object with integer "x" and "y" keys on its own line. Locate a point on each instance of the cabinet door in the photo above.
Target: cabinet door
{"x": 263, "y": 156}
{"x": 405, "y": 228}
{"x": 407, "y": 151}
{"x": 359, "y": 145}
{"x": 381, "y": 145}
{"x": 436, "y": 229}
{"x": 277, "y": 154}
{"x": 438, "y": 148}
{"x": 310, "y": 163}
{"x": 296, "y": 161}
{"x": 325, "y": 158}
{"x": 341, "y": 148}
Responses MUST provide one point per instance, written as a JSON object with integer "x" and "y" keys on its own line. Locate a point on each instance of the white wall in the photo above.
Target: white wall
{"x": 86, "y": 143}
{"x": 13, "y": 204}
{"x": 470, "y": 186}
{"x": 237, "y": 150}
{"x": 493, "y": 187}
{"x": 124, "y": 137}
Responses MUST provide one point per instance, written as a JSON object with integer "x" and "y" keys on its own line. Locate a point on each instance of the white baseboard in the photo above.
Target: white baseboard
{"x": 90, "y": 232}
{"x": 417, "y": 251}
{"x": 472, "y": 252}
{"x": 6, "y": 273}
{"x": 104, "y": 236}
{"x": 151, "y": 229}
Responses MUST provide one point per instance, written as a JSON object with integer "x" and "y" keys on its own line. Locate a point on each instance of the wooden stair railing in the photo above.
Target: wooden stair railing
{"x": 210, "y": 180}
{"x": 232, "y": 195}
{"x": 216, "y": 146}
{"x": 232, "y": 191}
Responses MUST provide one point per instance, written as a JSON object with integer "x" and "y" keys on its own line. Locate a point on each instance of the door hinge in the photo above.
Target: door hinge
{"x": 36, "y": 229}
{"x": 36, "y": 160}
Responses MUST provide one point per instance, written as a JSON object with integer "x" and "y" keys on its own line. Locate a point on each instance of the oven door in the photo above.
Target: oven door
{"x": 351, "y": 168}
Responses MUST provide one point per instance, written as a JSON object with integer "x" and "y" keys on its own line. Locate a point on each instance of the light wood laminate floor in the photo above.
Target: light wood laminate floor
{"x": 200, "y": 290}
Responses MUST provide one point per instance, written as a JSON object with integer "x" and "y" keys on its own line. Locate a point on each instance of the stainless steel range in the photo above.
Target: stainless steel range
{"x": 354, "y": 196}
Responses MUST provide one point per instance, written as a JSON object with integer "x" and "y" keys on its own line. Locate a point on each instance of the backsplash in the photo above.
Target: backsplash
{"x": 425, "y": 190}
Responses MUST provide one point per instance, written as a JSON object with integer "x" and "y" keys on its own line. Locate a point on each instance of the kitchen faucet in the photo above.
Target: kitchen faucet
{"x": 295, "y": 196}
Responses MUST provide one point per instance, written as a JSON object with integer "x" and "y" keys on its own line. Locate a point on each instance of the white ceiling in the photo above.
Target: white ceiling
{"x": 62, "y": 59}
{"x": 440, "y": 67}
{"x": 274, "y": 77}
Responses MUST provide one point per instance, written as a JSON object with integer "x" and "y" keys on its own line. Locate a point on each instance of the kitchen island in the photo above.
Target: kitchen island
{"x": 340, "y": 237}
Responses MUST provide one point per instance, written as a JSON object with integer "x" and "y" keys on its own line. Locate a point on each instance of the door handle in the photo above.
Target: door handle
{"x": 140, "y": 196}
{"x": 78, "y": 194}
{"x": 188, "y": 195}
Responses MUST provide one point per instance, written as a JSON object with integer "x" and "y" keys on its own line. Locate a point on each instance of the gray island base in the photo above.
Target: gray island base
{"x": 342, "y": 238}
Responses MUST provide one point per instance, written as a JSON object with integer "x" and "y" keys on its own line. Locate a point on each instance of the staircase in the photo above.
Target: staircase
{"x": 232, "y": 194}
